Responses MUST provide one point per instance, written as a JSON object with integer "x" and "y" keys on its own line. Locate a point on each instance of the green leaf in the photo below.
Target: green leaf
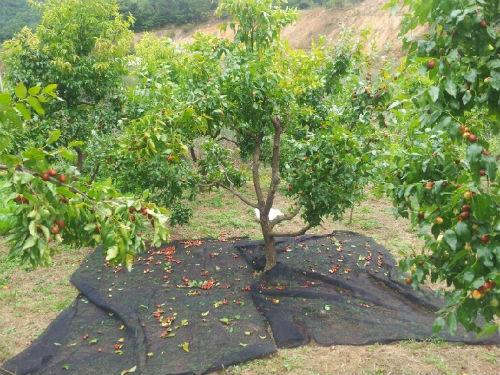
{"x": 130, "y": 370}
{"x": 451, "y": 239}
{"x": 112, "y": 252}
{"x": 129, "y": 262}
{"x": 75, "y": 143}
{"x": 450, "y": 87}
{"x": 466, "y": 97}
{"x": 462, "y": 231}
{"x": 30, "y": 242}
{"x": 5, "y": 99}
{"x": 469, "y": 276}
{"x": 434, "y": 93}
{"x": 473, "y": 152}
{"x": 471, "y": 76}
{"x": 35, "y": 90}
{"x": 452, "y": 323}
{"x": 54, "y": 136}
{"x": 67, "y": 154}
{"x": 36, "y": 105}
{"x": 22, "y": 177}
{"x": 24, "y": 111}
{"x": 489, "y": 329}
{"x": 10, "y": 160}
{"x": 491, "y": 168}
{"x": 478, "y": 282}
{"x": 481, "y": 206}
{"x": 33, "y": 154}
{"x": 438, "y": 324}
{"x": 21, "y": 91}
{"x": 49, "y": 88}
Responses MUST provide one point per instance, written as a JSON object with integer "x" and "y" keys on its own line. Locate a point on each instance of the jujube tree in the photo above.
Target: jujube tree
{"x": 446, "y": 181}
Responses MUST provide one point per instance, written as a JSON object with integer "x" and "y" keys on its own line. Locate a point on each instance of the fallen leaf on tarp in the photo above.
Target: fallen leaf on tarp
{"x": 226, "y": 321}
{"x": 125, "y": 372}
{"x": 185, "y": 346}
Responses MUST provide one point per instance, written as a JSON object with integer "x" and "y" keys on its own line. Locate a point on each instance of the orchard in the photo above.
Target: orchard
{"x": 101, "y": 142}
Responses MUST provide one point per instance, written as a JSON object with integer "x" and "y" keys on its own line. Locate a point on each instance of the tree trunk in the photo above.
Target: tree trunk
{"x": 81, "y": 157}
{"x": 270, "y": 250}
{"x": 269, "y": 244}
{"x": 193, "y": 154}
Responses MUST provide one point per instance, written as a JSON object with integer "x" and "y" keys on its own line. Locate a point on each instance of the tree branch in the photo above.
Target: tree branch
{"x": 94, "y": 175}
{"x": 292, "y": 234}
{"x": 228, "y": 140}
{"x": 241, "y": 197}
{"x": 193, "y": 154}
{"x": 275, "y": 176}
{"x": 285, "y": 217}
{"x": 52, "y": 179}
{"x": 255, "y": 172}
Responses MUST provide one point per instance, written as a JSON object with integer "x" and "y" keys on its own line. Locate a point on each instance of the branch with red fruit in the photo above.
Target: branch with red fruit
{"x": 50, "y": 175}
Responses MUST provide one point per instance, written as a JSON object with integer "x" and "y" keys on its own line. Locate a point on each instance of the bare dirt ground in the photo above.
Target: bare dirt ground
{"x": 312, "y": 23}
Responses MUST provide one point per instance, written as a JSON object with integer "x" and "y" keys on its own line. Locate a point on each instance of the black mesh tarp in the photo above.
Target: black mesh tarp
{"x": 191, "y": 307}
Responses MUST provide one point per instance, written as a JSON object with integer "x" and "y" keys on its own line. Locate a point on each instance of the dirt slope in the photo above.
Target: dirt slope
{"x": 312, "y": 23}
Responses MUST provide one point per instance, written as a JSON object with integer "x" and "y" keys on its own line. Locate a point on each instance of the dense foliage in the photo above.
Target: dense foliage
{"x": 81, "y": 44}
{"x": 446, "y": 180}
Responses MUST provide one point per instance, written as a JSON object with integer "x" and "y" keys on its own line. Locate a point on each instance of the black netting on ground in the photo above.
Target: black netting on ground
{"x": 193, "y": 306}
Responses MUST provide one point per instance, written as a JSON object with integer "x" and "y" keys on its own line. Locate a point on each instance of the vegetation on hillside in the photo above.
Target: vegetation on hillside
{"x": 148, "y": 14}
{"x": 14, "y": 15}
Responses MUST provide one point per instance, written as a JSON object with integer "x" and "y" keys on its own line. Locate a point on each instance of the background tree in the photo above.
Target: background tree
{"x": 446, "y": 180}
{"x": 80, "y": 45}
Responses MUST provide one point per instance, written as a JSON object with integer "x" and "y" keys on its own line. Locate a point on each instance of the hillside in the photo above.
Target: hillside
{"x": 148, "y": 14}
{"x": 314, "y": 22}
{"x": 14, "y": 14}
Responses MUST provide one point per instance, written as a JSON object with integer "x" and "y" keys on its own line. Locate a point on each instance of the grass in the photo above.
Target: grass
{"x": 33, "y": 298}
